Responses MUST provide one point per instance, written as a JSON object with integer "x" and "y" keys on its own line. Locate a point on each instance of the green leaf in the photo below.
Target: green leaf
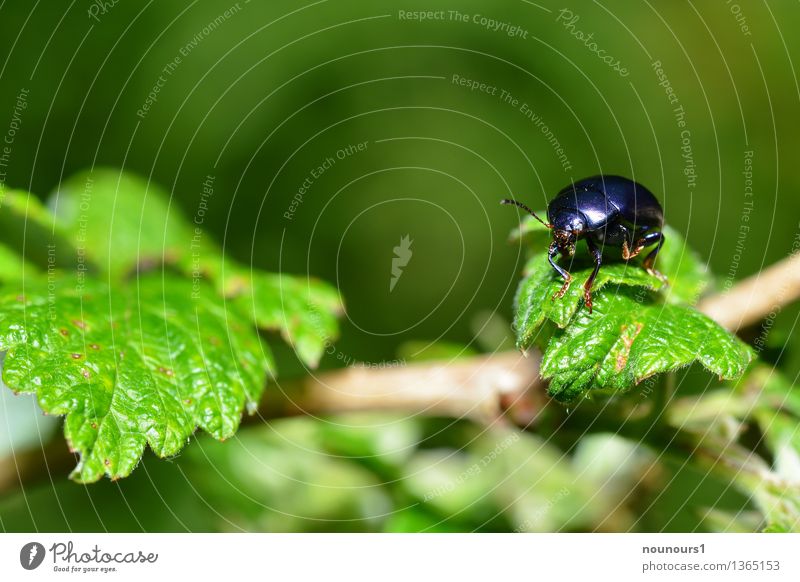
{"x": 120, "y": 221}
{"x": 126, "y": 221}
{"x": 28, "y": 229}
{"x": 13, "y": 267}
{"x": 776, "y": 494}
{"x": 626, "y": 340}
{"x": 303, "y": 310}
{"x": 782, "y": 434}
{"x": 532, "y": 233}
{"x": 716, "y": 420}
{"x": 154, "y": 356}
{"x": 687, "y": 275}
{"x": 720, "y": 521}
{"x": 141, "y": 364}
{"x": 281, "y": 478}
{"x": 539, "y": 488}
{"x": 535, "y": 302}
{"x": 774, "y": 390}
{"x": 640, "y": 326}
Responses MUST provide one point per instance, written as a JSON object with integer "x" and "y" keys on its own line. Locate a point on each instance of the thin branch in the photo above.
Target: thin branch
{"x": 756, "y": 297}
{"x": 483, "y": 388}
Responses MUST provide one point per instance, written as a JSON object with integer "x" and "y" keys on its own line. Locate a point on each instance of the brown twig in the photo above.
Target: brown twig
{"x": 483, "y": 388}
{"x": 756, "y": 297}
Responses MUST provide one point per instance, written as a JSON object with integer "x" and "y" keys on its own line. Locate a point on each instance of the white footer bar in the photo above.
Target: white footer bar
{"x": 406, "y": 557}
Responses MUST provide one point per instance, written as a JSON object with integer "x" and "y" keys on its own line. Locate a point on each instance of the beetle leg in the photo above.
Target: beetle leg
{"x": 552, "y": 252}
{"x": 651, "y": 258}
{"x": 564, "y": 288}
{"x": 598, "y": 260}
{"x": 627, "y": 253}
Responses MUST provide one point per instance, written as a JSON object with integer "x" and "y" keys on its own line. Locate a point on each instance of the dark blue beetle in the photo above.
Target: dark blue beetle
{"x": 605, "y": 211}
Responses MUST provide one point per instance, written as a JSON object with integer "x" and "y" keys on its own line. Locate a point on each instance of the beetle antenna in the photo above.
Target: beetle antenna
{"x": 528, "y": 210}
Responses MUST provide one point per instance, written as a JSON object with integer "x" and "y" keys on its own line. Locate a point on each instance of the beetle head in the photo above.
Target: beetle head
{"x": 567, "y": 228}
{"x": 564, "y": 240}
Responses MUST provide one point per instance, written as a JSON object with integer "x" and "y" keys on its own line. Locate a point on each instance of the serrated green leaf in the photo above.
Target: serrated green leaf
{"x": 626, "y": 340}
{"x": 304, "y": 311}
{"x": 149, "y": 359}
{"x": 129, "y": 366}
{"x": 535, "y": 301}
{"x": 126, "y": 221}
{"x": 640, "y": 325}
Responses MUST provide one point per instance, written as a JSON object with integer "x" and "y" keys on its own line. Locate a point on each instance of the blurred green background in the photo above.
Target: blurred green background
{"x": 260, "y": 94}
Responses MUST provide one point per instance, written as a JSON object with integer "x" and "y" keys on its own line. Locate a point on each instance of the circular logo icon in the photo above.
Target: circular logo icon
{"x": 31, "y": 555}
